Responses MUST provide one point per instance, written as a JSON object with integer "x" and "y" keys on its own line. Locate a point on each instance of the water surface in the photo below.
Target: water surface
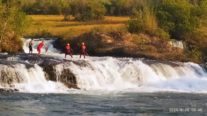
{"x": 139, "y": 104}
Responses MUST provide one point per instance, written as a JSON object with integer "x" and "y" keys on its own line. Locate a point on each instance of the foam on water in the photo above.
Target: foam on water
{"x": 115, "y": 74}
{"x": 34, "y": 81}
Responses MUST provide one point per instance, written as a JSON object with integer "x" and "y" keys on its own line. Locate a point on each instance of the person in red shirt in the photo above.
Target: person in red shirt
{"x": 68, "y": 50}
{"x": 40, "y": 46}
{"x": 83, "y": 50}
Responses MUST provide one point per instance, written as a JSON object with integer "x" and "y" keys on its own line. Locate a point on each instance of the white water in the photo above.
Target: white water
{"x": 48, "y": 43}
{"x": 123, "y": 74}
{"x": 117, "y": 74}
{"x": 34, "y": 81}
{"x": 177, "y": 44}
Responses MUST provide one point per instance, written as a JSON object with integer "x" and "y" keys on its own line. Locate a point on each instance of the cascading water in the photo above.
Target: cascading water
{"x": 135, "y": 75}
{"x": 26, "y": 79}
{"x": 113, "y": 74}
{"x": 34, "y": 81}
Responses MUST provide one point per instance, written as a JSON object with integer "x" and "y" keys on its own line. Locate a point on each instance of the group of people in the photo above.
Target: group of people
{"x": 39, "y": 47}
{"x": 68, "y": 50}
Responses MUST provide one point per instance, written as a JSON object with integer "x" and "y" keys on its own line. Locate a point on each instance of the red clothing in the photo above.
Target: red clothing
{"x": 83, "y": 51}
{"x": 39, "y": 47}
{"x": 83, "y": 47}
{"x": 68, "y": 50}
{"x": 67, "y": 47}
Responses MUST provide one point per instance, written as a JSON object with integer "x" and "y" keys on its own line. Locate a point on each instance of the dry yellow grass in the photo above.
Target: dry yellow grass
{"x": 55, "y": 25}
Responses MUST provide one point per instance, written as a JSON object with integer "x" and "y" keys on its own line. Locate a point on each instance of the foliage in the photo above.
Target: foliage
{"x": 196, "y": 44}
{"x": 143, "y": 20}
{"x": 13, "y": 24}
{"x": 85, "y": 10}
{"x": 176, "y": 17}
{"x": 43, "y": 6}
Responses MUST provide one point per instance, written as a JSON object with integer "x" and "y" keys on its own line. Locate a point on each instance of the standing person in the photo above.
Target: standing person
{"x": 83, "y": 50}
{"x": 39, "y": 47}
{"x": 30, "y": 46}
{"x": 68, "y": 50}
{"x": 46, "y": 49}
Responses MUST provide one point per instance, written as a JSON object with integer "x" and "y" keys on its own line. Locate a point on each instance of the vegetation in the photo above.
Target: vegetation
{"x": 56, "y": 26}
{"x": 86, "y": 10}
{"x": 177, "y": 19}
{"x": 13, "y": 24}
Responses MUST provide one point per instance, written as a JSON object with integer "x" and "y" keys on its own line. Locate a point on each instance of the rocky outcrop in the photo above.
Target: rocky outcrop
{"x": 68, "y": 78}
{"x": 8, "y": 76}
{"x": 65, "y": 76}
{"x": 123, "y": 44}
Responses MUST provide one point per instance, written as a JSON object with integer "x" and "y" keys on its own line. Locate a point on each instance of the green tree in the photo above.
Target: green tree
{"x": 176, "y": 17}
{"x": 13, "y": 24}
{"x": 144, "y": 20}
{"x": 85, "y": 10}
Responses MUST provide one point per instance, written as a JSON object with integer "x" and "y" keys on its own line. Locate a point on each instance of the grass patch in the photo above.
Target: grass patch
{"x": 55, "y": 25}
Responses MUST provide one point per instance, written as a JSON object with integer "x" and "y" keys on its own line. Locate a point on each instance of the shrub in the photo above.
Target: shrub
{"x": 144, "y": 21}
{"x": 196, "y": 45}
{"x": 176, "y": 17}
{"x": 86, "y": 10}
{"x": 13, "y": 24}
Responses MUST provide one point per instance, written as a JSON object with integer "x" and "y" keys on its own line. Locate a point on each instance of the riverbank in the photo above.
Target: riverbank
{"x": 124, "y": 44}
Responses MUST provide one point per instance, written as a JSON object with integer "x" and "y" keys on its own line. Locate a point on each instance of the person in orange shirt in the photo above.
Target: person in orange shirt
{"x": 68, "y": 50}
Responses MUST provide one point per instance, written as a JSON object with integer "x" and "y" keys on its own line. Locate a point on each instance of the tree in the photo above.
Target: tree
{"x": 13, "y": 24}
{"x": 144, "y": 20}
{"x": 176, "y": 17}
{"x": 85, "y": 10}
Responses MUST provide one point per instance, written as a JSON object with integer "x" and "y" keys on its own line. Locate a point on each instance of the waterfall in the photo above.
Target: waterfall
{"x": 31, "y": 80}
{"x": 108, "y": 74}
{"x": 137, "y": 75}
{"x": 98, "y": 73}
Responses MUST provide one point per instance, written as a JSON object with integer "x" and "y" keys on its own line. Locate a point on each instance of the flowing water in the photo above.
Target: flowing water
{"x": 91, "y": 103}
{"x": 108, "y": 86}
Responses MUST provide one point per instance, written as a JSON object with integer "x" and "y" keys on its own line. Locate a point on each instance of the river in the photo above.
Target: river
{"x": 91, "y": 103}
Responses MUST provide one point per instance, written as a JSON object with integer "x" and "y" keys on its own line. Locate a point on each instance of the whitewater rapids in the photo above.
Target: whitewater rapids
{"x": 115, "y": 74}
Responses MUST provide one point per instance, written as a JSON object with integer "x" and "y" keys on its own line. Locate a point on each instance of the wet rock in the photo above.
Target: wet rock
{"x": 68, "y": 78}
{"x": 9, "y": 76}
{"x": 205, "y": 66}
{"x": 65, "y": 76}
{"x": 3, "y": 90}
